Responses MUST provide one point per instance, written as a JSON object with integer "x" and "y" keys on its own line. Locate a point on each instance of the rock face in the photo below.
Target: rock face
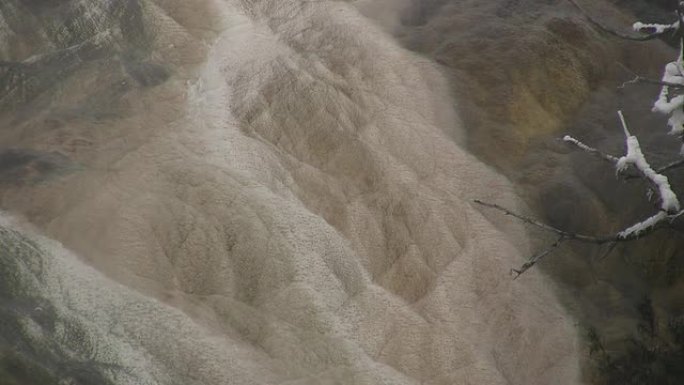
{"x": 251, "y": 192}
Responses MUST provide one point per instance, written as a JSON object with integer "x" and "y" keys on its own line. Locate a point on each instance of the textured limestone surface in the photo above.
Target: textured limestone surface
{"x": 252, "y": 192}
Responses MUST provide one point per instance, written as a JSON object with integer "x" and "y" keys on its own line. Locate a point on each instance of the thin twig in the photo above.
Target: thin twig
{"x": 612, "y": 240}
{"x": 572, "y": 236}
{"x": 611, "y": 247}
{"x": 669, "y": 89}
{"x": 533, "y": 261}
{"x": 563, "y": 233}
{"x": 670, "y": 166}
{"x": 642, "y": 79}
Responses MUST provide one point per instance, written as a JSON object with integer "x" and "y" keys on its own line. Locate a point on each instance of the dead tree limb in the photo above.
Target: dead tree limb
{"x": 565, "y": 234}
{"x": 611, "y": 247}
{"x": 669, "y": 211}
{"x": 645, "y": 80}
{"x": 613, "y": 159}
{"x": 533, "y": 261}
{"x": 579, "y": 237}
{"x": 612, "y": 240}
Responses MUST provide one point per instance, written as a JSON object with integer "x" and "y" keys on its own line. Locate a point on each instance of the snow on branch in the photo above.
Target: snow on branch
{"x": 654, "y": 28}
{"x": 607, "y": 157}
{"x": 634, "y": 163}
{"x": 635, "y": 157}
{"x": 642, "y": 226}
{"x": 591, "y": 150}
{"x": 613, "y": 159}
{"x": 670, "y": 102}
{"x": 669, "y": 211}
{"x": 669, "y": 202}
{"x": 658, "y": 29}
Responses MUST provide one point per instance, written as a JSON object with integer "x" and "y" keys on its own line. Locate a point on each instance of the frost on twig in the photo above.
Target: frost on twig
{"x": 655, "y": 28}
{"x": 613, "y": 159}
{"x": 633, "y": 164}
{"x": 669, "y": 202}
{"x": 640, "y": 227}
{"x": 651, "y": 31}
{"x": 634, "y": 158}
{"x": 591, "y": 150}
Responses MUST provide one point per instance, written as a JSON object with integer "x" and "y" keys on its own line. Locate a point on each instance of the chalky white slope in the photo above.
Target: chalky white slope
{"x": 291, "y": 206}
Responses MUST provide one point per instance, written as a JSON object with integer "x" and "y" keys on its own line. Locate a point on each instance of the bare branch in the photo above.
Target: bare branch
{"x": 670, "y": 166}
{"x": 605, "y": 29}
{"x": 611, "y": 247}
{"x": 533, "y": 261}
{"x": 642, "y": 79}
{"x": 659, "y": 221}
{"x": 572, "y": 236}
{"x": 525, "y": 219}
{"x": 565, "y": 234}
